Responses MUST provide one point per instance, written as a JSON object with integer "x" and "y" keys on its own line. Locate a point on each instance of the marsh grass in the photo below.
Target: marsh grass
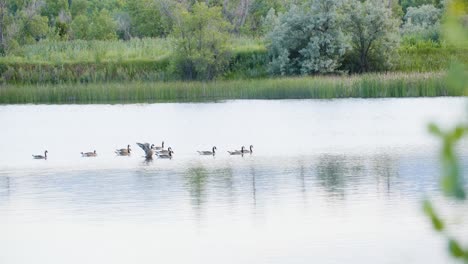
{"x": 148, "y": 59}
{"x": 363, "y": 86}
{"x": 79, "y": 51}
{"x": 427, "y": 59}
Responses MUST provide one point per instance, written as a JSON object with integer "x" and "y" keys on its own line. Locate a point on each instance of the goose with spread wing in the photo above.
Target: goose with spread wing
{"x": 147, "y": 149}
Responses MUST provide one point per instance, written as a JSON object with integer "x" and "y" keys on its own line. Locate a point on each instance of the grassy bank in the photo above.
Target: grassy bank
{"x": 148, "y": 60}
{"x": 427, "y": 59}
{"x": 363, "y": 86}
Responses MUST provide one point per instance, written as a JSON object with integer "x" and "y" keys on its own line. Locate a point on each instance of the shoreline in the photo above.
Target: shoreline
{"x": 375, "y": 85}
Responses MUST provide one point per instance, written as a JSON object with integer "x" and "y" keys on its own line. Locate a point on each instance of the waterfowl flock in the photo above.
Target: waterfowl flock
{"x": 158, "y": 151}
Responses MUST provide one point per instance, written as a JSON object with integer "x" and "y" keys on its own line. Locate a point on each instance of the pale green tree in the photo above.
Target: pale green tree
{"x": 79, "y": 7}
{"x": 307, "y": 40}
{"x": 258, "y": 11}
{"x": 102, "y": 26}
{"x": 201, "y": 42}
{"x": 31, "y": 25}
{"x": 53, "y": 8}
{"x": 269, "y": 22}
{"x": 416, "y": 3}
{"x": 373, "y": 35}
{"x": 145, "y": 18}
{"x": 4, "y": 15}
{"x": 80, "y": 27}
{"x": 422, "y": 23}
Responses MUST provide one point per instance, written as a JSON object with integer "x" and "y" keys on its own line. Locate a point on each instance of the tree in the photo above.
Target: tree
{"x": 422, "y": 23}
{"x": 269, "y": 22}
{"x": 307, "y": 40}
{"x": 373, "y": 35}
{"x": 145, "y": 18}
{"x": 3, "y": 24}
{"x": 258, "y": 11}
{"x": 78, "y": 7}
{"x": 405, "y": 4}
{"x": 397, "y": 10}
{"x": 52, "y": 9}
{"x": 102, "y": 26}
{"x": 423, "y": 15}
{"x": 80, "y": 27}
{"x": 30, "y": 24}
{"x": 236, "y": 12}
{"x": 201, "y": 48}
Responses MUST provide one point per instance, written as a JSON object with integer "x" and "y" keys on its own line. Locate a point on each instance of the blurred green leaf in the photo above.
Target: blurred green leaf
{"x": 455, "y": 249}
{"x": 458, "y": 132}
{"x": 434, "y": 129}
{"x": 436, "y": 221}
{"x": 457, "y": 78}
{"x": 452, "y": 182}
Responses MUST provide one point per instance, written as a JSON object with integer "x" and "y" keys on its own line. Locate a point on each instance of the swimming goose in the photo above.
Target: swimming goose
{"x": 207, "y": 152}
{"x": 159, "y": 147}
{"x": 148, "y": 149}
{"x": 40, "y": 156}
{"x": 124, "y": 151}
{"x": 165, "y": 156}
{"x": 237, "y": 152}
{"x": 248, "y": 151}
{"x": 89, "y": 154}
{"x": 164, "y": 151}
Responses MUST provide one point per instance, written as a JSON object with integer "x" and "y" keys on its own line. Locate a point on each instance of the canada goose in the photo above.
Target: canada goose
{"x": 159, "y": 147}
{"x": 124, "y": 151}
{"x": 237, "y": 152}
{"x": 89, "y": 154}
{"x": 164, "y": 151}
{"x": 207, "y": 152}
{"x": 248, "y": 151}
{"x": 148, "y": 149}
{"x": 165, "y": 156}
{"x": 40, "y": 156}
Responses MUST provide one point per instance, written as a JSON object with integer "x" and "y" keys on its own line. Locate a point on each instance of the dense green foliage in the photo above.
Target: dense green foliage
{"x": 405, "y": 4}
{"x": 201, "y": 39}
{"x": 149, "y": 60}
{"x": 364, "y": 86}
{"x": 54, "y": 40}
{"x": 421, "y": 24}
{"x": 307, "y": 39}
{"x": 142, "y": 18}
{"x": 373, "y": 36}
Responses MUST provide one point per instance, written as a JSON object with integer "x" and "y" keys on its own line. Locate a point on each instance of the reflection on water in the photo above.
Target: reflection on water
{"x": 316, "y": 186}
{"x": 257, "y": 180}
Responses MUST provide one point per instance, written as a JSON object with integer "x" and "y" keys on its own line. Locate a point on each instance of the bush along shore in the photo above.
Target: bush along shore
{"x": 244, "y": 64}
{"x": 320, "y": 87}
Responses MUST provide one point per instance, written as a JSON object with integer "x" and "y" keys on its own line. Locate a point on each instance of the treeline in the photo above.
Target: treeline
{"x": 302, "y": 37}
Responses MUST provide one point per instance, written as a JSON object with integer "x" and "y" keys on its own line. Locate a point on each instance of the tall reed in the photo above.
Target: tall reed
{"x": 363, "y": 86}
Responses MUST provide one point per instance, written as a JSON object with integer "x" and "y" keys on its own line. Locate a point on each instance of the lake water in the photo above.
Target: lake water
{"x": 329, "y": 181}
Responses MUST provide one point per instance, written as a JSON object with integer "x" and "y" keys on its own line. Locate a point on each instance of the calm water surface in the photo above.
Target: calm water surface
{"x": 330, "y": 181}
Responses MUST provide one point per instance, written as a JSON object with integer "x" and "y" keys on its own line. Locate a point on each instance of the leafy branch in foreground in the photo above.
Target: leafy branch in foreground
{"x": 452, "y": 184}
{"x": 452, "y": 179}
